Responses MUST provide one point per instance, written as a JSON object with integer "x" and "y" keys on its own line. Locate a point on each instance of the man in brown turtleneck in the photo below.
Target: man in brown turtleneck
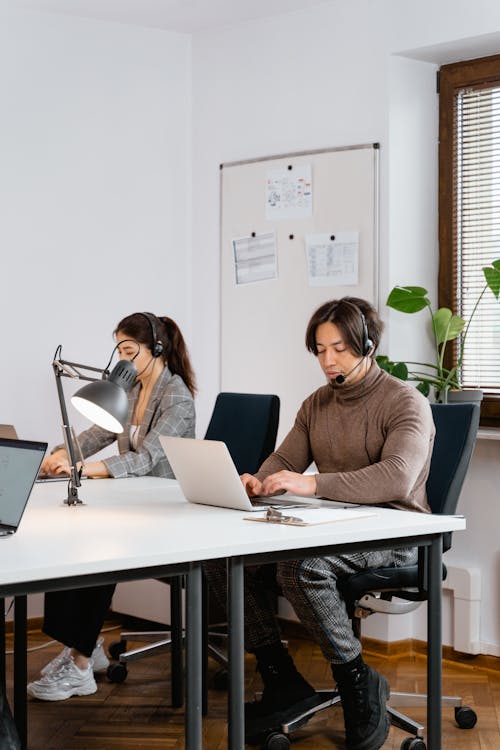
{"x": 370, "y": 436}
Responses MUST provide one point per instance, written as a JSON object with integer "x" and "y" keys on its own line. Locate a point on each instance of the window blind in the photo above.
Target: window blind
{"x": 476, "y": 229}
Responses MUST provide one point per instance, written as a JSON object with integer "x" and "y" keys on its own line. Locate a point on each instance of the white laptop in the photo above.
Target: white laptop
{"x": 19, "y": 464}
{"x": 207, "y": 475}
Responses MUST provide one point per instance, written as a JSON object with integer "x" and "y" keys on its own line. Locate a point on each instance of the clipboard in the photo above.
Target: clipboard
{"x": 310, "y": 516}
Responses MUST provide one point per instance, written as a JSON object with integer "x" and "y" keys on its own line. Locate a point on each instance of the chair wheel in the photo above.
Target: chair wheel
{"x": 117, "y": 672}
{"x": 276, "y": 741}
{"x": 413, "y": 743}
{"x": 116, "y": 648}
{"x": 220, "y": 679}
{"x": 465, "y": 717}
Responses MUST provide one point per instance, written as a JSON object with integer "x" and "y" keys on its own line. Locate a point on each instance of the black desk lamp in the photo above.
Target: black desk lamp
{"x": 104, "y": 401}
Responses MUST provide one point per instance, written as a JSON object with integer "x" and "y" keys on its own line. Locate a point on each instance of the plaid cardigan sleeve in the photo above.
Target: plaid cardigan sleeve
{"x": 91, "y": 441}
{"x": 170, "y": 412}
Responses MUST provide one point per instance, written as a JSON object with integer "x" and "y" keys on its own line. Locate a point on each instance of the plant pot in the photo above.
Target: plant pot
{"x": 466, "y": 395}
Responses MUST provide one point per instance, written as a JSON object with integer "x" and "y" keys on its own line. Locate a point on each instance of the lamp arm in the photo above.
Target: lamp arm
{"x": 68, "y": 369}
{"x": 74, "y": 480}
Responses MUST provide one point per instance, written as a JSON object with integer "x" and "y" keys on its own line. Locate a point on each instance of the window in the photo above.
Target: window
{"x": 469, "y": 215}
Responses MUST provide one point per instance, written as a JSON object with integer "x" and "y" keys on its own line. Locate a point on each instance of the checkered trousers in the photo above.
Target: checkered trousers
{"x": 311, "y": 587}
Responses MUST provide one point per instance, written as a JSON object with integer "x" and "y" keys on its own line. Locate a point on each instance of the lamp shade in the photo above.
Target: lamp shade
{"x": 105, "y": 402}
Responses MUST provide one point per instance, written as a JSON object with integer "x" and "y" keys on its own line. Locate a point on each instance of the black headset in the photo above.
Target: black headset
{"x": 157, "y": 346}
{"x": 367, "y": 343}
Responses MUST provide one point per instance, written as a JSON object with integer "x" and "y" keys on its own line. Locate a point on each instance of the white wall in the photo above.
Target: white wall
{"x": 340, "y": 74}
{"x": 94, "y": 194}
{"x": 95, "y": 131}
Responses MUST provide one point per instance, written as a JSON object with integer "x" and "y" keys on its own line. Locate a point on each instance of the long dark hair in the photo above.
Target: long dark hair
{"x": 140, "y": 326}
{"x": 347, "y": 313}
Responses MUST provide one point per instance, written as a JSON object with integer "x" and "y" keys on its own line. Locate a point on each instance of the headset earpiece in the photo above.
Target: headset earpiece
{"x": 156, "y": 345}
{"x": 157, "y": 350}
{"x": 367, "y": 343}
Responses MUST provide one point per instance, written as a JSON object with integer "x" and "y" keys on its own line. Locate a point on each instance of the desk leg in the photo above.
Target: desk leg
{"x": 204, "y": 646}
{"x": 20, "y": 668}
{"x": 3, "y": 686}
{"x": 177, "y": 678}
{"x": 236, "y": 654}
{"x": 434, "y": 654}
{"x": 193, "y": 725}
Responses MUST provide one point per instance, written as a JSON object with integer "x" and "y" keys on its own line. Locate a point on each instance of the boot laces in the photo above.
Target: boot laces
{"x": 356, "y": 702}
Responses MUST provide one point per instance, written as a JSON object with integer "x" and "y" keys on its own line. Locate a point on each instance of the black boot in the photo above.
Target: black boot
{"x": 286, "y": 693}
{"x": 364, "y": 693}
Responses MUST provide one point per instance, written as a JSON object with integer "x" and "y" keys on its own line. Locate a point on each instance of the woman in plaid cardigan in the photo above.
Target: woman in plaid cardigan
{"x": 161, "y": 403}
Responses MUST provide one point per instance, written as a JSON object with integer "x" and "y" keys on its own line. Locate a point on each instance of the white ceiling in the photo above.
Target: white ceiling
{"x": 175, "y": 15}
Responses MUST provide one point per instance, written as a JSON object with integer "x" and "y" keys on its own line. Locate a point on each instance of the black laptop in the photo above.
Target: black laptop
{"x": 19, "y": 464}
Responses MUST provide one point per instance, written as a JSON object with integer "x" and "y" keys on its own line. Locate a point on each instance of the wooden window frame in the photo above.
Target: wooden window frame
{"x": 452, "y": 77}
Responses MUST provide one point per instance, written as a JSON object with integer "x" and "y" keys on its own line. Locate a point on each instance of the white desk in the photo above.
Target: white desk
{"x": 389, "y": 529}
{"x": 129, "y": 530}
{"x": 142, "y": 528}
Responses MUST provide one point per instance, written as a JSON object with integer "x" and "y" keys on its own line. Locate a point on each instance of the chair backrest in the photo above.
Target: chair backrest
{"x": 248, "y": 424}
{"x": 456, "y": 429}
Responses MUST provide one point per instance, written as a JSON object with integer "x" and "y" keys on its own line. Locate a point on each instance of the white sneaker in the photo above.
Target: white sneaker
{"x": 58, "y": 661}
{"x": 99, "y": 659}
{"x": 63, "y": 683}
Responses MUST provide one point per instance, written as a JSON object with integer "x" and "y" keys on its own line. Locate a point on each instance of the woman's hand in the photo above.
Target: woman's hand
{"x": 252, "y": 485}
{"x": 290, "y": 481}
{"x": 56, "y": 463}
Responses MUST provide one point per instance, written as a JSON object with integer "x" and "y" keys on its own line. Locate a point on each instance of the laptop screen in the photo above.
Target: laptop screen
{"x": 19, "y": 464}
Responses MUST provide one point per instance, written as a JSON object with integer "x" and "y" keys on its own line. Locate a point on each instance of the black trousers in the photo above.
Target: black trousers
{"x": 75, "y": 617}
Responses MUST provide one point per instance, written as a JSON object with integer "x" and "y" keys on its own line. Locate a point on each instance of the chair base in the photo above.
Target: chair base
{"x": 331, "y": 698}
{"x": 218, "y": 653}
{"x": 464, "y": 716}
{"x": 160, "y": 641}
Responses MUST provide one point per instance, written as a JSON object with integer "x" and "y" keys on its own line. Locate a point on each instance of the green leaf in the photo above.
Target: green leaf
{"x": 424, "y": 388}
{"x": 492, "y": 276}
{"x": 447, "y": 325}
{"x": 408, "y": 299}
{"x": 400, "y": 371}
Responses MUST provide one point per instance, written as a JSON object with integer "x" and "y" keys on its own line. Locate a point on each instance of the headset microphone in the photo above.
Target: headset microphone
{"x": 342, "y": 378}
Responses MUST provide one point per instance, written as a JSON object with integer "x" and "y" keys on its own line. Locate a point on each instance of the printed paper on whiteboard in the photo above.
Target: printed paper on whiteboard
{"x": 289, "y": 193}
{"x": 333, "y": 262}
{"x": 255, "y": 258}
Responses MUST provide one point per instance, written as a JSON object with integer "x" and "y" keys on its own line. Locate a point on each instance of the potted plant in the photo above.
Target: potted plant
{"x": 445, "y": 327}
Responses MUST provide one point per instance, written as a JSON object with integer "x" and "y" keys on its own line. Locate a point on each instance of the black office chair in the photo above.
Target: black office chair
{"x": 456, "y": 429}
{"x": 248, "y": 424}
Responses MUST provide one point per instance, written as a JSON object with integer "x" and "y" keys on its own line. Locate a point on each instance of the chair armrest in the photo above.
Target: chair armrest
{"x": 369, "y": 604}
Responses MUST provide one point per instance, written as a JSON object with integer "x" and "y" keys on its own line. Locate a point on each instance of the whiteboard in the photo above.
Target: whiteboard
{"x": 263, "y": 323}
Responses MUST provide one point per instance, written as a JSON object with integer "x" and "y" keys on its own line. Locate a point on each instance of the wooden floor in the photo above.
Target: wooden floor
{"x": 136, "y": 714}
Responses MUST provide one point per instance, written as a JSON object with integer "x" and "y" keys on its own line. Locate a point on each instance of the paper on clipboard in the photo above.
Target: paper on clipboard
{"x": 310, "y": 516}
